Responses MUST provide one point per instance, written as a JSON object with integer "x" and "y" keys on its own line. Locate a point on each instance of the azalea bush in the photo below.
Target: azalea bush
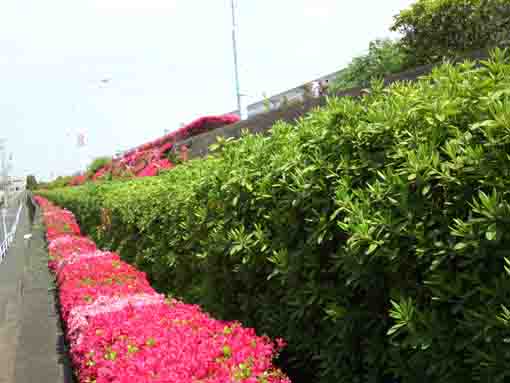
{"x": 149, "y": 159}
{"x": 120, "y": 330}
{"x": 153, "y": 157}
{"x": 373, "y": 235}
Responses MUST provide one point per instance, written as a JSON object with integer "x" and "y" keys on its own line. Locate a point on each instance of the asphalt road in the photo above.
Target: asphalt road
{"x": 12, "y": 210}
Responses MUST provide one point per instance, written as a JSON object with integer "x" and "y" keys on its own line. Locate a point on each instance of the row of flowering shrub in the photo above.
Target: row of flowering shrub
{"x": 150, "y": 158}
{"x": 120, "y": 330}
{"x": 373, "y": 235}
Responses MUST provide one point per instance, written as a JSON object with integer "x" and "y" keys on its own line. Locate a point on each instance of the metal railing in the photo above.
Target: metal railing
{"x": 9, "y": 238}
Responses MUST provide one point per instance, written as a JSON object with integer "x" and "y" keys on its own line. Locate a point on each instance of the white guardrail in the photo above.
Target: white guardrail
{"x": 9, "y": 238}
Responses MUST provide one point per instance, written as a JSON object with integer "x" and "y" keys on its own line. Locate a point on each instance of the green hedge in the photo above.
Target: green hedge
{"x": 372, "y": 235}
{"x": 433, "y": 29}
{"x": 384, "y": 57}
{"x": 59, "y": 182}
{"x": 97, "y": 163}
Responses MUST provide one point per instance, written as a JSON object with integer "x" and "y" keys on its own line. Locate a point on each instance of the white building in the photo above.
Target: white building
{"x": 291, "y": 95}
{"x": 16, "y": 184}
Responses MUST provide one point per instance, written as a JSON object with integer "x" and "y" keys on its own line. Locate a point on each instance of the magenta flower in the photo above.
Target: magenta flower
{"x": 120, "y": 330}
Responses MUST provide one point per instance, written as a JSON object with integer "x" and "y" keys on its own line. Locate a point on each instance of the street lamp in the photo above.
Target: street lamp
{"x": 4, "y": 184}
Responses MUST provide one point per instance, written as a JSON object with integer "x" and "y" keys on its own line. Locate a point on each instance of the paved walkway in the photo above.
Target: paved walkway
{"x": 31, "y": 341}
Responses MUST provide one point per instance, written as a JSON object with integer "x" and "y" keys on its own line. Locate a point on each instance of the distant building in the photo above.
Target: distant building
{"x": 291, "y": 95}
{"x": 15, "y": 184}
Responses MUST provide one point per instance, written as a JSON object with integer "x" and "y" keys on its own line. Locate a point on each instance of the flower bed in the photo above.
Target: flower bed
{"x": 149, "y": 159}
{"x": 120, "y": 330}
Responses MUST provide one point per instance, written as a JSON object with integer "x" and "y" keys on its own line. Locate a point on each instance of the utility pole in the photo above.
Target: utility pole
{"x": 236, "y": 68}
{"x": 4, "y": 171}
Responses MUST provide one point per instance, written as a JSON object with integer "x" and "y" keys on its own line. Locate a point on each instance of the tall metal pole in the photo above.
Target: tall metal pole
{"x": 4, "y": 172}
{"x": 236, "y": 68}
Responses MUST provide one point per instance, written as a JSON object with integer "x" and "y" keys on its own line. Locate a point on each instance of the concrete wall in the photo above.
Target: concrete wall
{"x": 199, "y": 145}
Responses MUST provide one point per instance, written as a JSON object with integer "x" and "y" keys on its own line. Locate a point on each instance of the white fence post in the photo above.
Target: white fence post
{"x": 4, "y": 214}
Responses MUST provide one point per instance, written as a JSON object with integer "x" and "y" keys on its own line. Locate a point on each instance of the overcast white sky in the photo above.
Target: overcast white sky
{"x": 169, "y": 61}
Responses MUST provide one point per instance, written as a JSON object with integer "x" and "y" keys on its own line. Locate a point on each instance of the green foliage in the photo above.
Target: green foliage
{"x": 31, "y": 182}
{"x": 58, "y": 183}
{"x": 433, "y": 29}
{"x": 384, "y": 57}
{"x": 374, "y": 235}
{"x": 97, "y": 164}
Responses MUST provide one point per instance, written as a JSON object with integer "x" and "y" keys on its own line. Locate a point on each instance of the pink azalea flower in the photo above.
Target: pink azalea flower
{"x": 120, "y": 330}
